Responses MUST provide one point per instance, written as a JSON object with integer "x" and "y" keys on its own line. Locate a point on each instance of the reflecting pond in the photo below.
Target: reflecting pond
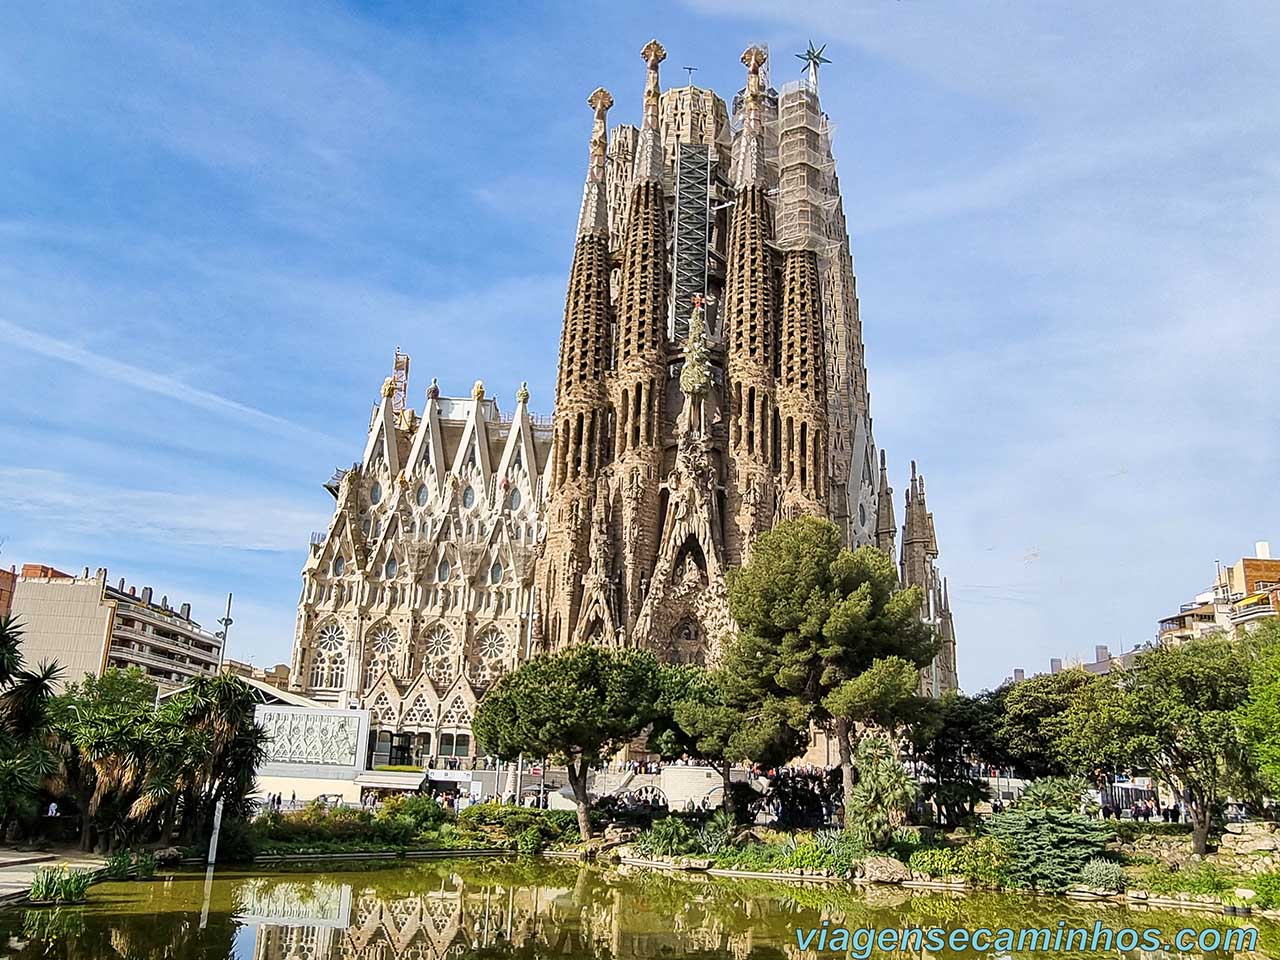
{"x": 457, "y": 909}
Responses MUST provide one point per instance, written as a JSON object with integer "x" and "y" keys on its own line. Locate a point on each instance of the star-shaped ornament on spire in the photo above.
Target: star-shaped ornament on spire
{"x": 813, "y": 59}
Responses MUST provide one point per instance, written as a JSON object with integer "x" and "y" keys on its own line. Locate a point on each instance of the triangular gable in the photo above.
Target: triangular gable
{"x": 474, "y": 445}
{"x": 382, "y": 439}
{"x": 426, "y": 456}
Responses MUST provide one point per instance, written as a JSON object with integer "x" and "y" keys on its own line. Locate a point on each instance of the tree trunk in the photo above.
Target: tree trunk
{"x": 578, "y": 780}
{"x": 845, "y": 746}
{"x": 170, "y": 815}
{"x": 86, "y": 831}
{"x": 1199, "y": 813}
{"x": 728, "y": 783}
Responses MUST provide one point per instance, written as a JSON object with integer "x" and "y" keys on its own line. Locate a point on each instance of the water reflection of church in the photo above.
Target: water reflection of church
{"x": 585, "y": 916}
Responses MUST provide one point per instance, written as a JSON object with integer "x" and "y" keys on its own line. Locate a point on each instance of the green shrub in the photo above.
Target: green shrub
{"x": 237, "y": 842}
{"x": 807, "y": 856}
{"x": 1267, "y": 886}
{"x": 937, "y": 862}
{"x": 761, "y": 857}
{"x": 842, "y": 847}
{"x": 984, "y": 861}
{"x": 530, "y": 842}
{"x": 60, "y": 884}
{"x": 1099, "y": 874}
{"x": 123, "y": 863}
{"x": 144, "y": 864}
{"x": 716, "y": 834}
{"x": 423, "y": 811}
{"x": 668, "y": 837}
{"x": 1048, "y": 846}
{"x": 883, "y": 787}
{"x": 118, "y": 865}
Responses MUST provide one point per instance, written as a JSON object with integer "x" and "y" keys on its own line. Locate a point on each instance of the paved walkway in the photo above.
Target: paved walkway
{"x": 18, "y": 867}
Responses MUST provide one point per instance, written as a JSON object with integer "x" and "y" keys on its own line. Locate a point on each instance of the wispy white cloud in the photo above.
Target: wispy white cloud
{"x": 150, "y": 381}
{"x": 94, "y": 513}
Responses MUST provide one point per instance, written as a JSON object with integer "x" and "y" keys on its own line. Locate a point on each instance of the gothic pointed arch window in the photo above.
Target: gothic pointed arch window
{"x": 383, "y": 641}
{"x": 329, "y": 658}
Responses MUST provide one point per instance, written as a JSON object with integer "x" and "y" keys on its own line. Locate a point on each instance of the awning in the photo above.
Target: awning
{"x": 392, "y": 779}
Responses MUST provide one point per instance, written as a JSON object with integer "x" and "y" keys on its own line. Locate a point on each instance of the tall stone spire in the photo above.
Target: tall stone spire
{"x": 581, "y": 444}
{"x": 919, "y": 551}
{"x": 639, "y": 384}
{"x": 749, "y": 161}
{"x": 886, "y": 525}
{"x": 803, "y": 401}
{"x": 649, "y": 148}
{"x": 802, "y": 388}
{"x": 594, "y": 217}
{"x": 750, "y": 320}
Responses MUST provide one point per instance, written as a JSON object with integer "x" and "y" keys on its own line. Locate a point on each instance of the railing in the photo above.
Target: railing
{"x": 1254, "y": 611}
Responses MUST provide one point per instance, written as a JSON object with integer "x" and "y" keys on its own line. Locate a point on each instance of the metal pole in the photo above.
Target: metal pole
{"x": 226, "y": 622}
{"x": 213, "y": 838}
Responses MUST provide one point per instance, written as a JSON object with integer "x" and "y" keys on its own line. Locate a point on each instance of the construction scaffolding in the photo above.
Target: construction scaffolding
{"x": 805, "y": 171}
{"x": 400, "y": 382}
{"x": 693, "y": 179}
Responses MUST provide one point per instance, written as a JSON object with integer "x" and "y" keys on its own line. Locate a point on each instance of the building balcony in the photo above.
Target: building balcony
{"x": 1255, "y": 611}
{"x": 133, "y": 654}
{"x": 178, "y": 645}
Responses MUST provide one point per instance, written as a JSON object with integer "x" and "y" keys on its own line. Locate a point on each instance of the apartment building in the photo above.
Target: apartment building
{"x": 87, "y": 625}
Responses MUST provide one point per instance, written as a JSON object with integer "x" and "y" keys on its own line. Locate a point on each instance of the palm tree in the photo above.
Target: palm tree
{"x": 10, "y": 654}
{"x": 26, "y": 750}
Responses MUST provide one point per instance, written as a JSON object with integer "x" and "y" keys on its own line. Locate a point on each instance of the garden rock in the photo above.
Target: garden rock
{"x": 885, "y": 870}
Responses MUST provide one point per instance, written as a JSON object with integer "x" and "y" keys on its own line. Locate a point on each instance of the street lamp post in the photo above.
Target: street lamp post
{"x": 226, "y": 622}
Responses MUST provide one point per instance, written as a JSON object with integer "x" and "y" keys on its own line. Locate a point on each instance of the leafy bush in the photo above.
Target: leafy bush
{"x": 118, "y": 865}
{"x": 668, "y": 837}
{"x": 1048, "y": 846}
{"x": 421, "y": 810}
{"x": 717, "y": 833}
{"x": 60, "y": 885}
{"x": 843, "y": 849}
{"x": 807, "y": 856}
{"x": 984, "y": 861}
{"x": 1267, "y": 886}
{"x": 144, "y": 864}
{"x": 122, "y": 863}
{"x": 1099, "y": 874}
{"x": 530, "y": 842}
{"x": 937, "y": 862}
{"x": 761, "y": 857}
{"x": 237, "y": 842}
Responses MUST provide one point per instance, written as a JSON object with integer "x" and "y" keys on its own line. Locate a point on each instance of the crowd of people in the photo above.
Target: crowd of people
{"x": 1144, "y": 811}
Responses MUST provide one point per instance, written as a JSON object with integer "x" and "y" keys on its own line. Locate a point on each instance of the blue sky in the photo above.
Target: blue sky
{"x": 216, "y": 226}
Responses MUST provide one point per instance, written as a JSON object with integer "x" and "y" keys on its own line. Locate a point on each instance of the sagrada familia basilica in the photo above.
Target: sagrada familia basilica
{"x": 711, "y": 383}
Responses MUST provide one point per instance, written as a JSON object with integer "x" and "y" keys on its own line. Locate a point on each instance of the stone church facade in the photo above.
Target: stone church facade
{"x": 711, "y": 383}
